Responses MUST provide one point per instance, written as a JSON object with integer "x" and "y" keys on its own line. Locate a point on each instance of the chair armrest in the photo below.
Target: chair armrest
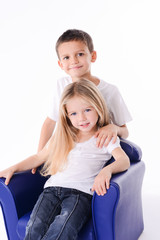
{"x": 23, "y": 189}
{"x": 121, "y": 206}
{"x": 18, "y": 198}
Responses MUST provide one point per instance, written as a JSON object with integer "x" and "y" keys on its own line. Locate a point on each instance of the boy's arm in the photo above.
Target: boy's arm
{"x": 102, "y": 180}
{"x": 105, "y": 134}
{"x": 46, "y": 132}
{"x": 122, "y": 131}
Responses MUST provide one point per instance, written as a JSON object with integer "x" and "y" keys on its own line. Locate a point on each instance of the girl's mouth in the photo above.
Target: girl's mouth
{"x": 84, "y": 125}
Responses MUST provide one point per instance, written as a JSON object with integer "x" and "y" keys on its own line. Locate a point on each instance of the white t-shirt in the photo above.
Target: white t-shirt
{"x": 118, "y": 110}
{"x": 85, "y": 161}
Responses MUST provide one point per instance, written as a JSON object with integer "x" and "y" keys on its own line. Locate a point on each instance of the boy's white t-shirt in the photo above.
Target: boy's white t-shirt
{"x": 118, "y": 110}
{"x": 85, "y": 161}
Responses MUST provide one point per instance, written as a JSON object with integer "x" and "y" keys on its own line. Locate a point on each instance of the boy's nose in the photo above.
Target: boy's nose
{"x": 74, "y": 60}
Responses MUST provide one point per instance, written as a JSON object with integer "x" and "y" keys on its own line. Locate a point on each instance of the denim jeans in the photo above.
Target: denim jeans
{"x": 59, "y": 214}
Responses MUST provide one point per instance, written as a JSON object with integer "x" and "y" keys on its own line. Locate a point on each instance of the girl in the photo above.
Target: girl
{"x": 74, "y": 164}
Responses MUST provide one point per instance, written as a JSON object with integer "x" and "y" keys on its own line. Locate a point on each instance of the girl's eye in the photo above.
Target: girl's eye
{"x": 73, "y": 114}
{"x": 88, "y": 110}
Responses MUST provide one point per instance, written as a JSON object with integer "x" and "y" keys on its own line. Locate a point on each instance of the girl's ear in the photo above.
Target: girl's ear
{"x": 94, "y": 56}
{"x": 60, "y": 64}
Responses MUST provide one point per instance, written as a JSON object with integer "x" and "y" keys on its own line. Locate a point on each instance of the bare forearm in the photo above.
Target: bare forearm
{"x": 33, "y": 161}
{"x": 27, "y": 164}
{"x": 46, "y": 132}
{"x": 102, "y": 180}
{"x": 121, "y": 162}
{"x": 119, "y": 165}
{"x": 123, "y": 131}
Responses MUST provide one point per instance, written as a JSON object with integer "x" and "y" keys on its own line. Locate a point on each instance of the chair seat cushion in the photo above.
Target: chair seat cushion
{"x": 21, "y": 226}
{"x": 87, "y": 233}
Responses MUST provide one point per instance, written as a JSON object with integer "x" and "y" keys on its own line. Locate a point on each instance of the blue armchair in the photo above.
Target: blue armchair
{"x": 115, "y": 216}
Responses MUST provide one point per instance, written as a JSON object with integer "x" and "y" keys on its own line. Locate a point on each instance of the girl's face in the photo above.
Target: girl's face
{"x": 75, "y": 59}
{"x": 82, "y": 115}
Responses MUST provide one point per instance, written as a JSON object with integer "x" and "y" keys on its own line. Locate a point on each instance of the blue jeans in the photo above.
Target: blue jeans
{"x": 59, "y": 214}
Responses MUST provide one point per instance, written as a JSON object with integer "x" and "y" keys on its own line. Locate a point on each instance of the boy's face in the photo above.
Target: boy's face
{"x": 75, "y": 59}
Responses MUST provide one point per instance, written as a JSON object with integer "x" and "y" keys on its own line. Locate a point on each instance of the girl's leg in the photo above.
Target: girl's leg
{"x": 76, "y": 210}
{"x": 43, "y": 214}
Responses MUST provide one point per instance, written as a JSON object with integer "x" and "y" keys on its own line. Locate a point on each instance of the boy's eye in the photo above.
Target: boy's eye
{"x": 66, "y": 58}
{"x": 80, "y": 54}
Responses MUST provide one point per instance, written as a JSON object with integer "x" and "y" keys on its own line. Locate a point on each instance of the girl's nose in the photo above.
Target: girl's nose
{"x": 82, "y": 116}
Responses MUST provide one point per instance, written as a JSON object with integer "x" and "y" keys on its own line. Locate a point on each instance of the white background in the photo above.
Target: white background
{"x": 126, "y": 36}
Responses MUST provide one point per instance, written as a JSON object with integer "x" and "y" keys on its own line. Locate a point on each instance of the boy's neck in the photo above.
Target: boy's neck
{"x": 93, "y": 79}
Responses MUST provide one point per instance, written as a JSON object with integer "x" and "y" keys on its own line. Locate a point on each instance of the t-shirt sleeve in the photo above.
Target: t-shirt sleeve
{"x": 54, "y": 104}
{"x": 111, "y": 146}
{"x": 119, "y": 112}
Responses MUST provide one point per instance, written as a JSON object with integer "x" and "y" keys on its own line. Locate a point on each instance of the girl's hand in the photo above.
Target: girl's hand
{"x": 8, "y": 173}
{"x": 105, "y": 134}
{"x": 33, "y": 171}
{"x": 102, "y": 182}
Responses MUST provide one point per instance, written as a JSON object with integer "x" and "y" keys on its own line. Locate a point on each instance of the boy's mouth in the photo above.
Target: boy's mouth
{"x": 75, "y": 67}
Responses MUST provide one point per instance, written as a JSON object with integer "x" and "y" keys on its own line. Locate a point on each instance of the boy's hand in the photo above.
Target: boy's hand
{"x": 102, "y": 182}
{"x": 7, "y": 174}
{"x": 105, "y": 134}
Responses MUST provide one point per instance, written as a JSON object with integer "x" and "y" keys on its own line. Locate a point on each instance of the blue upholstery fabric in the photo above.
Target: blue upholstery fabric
{"x": 115, "y": 216}
{"x": 86, "y": 233}
{"x": 121, "y": 208}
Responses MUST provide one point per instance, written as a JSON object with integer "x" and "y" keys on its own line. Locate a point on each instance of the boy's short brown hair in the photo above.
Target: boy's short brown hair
{"x": 75, "y": 35}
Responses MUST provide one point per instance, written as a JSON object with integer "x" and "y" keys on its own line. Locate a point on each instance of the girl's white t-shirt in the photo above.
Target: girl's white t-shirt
{"x": 118, "y": 110}
{"x": 85, "y": 161}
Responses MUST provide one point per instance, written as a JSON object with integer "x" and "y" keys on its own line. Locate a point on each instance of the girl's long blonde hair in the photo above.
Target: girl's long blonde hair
{"x": 65, "y": 134}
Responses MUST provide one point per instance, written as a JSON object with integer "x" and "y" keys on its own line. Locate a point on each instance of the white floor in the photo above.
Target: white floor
{"x": 151, "y": 212}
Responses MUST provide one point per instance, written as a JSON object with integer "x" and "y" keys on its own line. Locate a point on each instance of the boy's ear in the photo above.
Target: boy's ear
{"x": 60, "y": 64}
{"x": 94, "y": 56}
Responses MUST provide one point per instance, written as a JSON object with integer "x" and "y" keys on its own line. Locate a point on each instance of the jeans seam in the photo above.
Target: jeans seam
{"x": 29, "y": 233}
{"x": 68, "y": 218}
{"x": 45, "y": 235}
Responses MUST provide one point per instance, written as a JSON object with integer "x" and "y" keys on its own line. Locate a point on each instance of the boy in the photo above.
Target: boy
{"x": 75, "y": 54}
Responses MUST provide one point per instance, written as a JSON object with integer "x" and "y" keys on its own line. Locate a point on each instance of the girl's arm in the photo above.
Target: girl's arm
{"x": 33, "y": 161}
{"x": 102, "y": 180}
{"x": 105, "y": 134}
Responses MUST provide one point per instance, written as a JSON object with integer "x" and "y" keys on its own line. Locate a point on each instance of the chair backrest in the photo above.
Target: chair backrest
{"x": 133, "y": 151}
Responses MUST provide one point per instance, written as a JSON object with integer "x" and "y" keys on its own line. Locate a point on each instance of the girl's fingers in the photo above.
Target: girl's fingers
{"x": 103, "y": 189}
{"x": 107, "y": 184}
{"x": 8, "y": 178}
{"x": 100, "y": 189}
{"x": 34, "y": 170}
